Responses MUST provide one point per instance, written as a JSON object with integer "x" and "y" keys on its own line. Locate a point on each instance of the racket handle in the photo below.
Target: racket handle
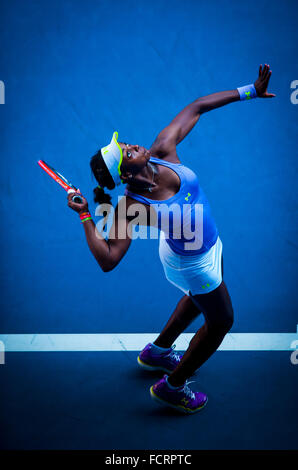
{"x": 77, "y": 199}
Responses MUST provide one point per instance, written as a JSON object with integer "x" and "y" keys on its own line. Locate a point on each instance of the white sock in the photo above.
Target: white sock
{"x": 158, "y": 348}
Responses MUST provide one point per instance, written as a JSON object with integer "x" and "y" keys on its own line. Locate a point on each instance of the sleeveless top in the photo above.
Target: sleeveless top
{"x": 185, "y": 218}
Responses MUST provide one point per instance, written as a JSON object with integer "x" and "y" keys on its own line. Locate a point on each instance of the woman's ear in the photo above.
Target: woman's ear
{"x": 126, "y": 177}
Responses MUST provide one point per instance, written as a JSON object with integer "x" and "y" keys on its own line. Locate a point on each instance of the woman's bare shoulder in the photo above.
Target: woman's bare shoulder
{"x": 164, "y": 147}
{"x": 167, "y": 154}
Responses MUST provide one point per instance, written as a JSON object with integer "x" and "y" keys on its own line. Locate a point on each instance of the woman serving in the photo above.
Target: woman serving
{"x": 157, "y": 180}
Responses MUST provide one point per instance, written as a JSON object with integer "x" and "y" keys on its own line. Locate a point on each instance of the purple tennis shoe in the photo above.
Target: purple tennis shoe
{"x": 182, "y": 398}
{"x": 166, "y": 360}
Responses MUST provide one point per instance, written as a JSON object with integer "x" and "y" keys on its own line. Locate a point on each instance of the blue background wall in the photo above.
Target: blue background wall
{"x": 75, "y": 71}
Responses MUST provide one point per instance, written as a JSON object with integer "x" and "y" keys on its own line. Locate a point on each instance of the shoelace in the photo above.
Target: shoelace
{"x": 187, "y": 390}
{"x": 174, "y": 355}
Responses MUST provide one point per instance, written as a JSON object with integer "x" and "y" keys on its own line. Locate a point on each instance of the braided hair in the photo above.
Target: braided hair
{"x": 103, "y": 177}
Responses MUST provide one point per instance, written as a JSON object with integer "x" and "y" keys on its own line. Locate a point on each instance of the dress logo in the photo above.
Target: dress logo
{"x": 207, "y": 285}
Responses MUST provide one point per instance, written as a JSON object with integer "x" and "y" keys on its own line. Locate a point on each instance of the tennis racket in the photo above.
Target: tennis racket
{"x": 60, "y": 179}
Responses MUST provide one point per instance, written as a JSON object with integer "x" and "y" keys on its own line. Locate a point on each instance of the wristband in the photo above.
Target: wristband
{"x": 87, "y": 218}
{"x": 84, "y": 216}
{"x": 247, "y": 92}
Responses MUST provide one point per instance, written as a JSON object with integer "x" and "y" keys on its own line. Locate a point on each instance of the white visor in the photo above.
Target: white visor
{"x": 112, "y": 155}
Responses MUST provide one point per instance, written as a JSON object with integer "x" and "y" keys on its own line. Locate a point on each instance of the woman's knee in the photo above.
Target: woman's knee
{"x": 229, "y": 319}
{"x": 223, "y": 321}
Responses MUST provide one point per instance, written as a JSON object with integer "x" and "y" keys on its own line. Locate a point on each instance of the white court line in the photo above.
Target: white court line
{"x": 137, "y": 341}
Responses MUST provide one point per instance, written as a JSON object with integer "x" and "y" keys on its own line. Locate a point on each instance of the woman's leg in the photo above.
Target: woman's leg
{"x": 218, "y": 312}
{"x": 185, "y": 312}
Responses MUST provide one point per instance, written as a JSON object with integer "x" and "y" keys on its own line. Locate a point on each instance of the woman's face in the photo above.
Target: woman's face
{"x": 135, "y": 158}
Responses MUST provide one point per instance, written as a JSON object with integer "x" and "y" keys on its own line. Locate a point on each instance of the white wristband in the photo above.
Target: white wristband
{"x": 247, "y": 92}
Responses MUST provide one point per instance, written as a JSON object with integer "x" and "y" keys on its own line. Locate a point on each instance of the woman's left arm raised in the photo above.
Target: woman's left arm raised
{"x": 183, "y": 123}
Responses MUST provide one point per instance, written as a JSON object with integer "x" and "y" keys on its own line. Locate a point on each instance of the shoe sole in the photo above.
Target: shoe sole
{"x": 148, "y": 367}
{"x": 176, "y": 407}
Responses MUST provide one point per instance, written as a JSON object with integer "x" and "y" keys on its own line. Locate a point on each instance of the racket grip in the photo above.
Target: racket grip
{"x": 77, "y": 199}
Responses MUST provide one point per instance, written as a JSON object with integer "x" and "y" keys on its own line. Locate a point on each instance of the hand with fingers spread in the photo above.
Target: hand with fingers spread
{"x": 83, "y": 207}
{"x": 261, "y": 83}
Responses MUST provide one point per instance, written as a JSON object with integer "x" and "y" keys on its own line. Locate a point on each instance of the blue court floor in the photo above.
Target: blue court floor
{"x": 100, "y": 400}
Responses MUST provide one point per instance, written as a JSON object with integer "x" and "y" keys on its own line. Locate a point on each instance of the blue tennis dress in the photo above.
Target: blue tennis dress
{"x": 197, "y": 218}
{"x": 190, "y": 248}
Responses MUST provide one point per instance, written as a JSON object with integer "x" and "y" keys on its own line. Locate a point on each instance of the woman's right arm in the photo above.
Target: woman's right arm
{"x": 108, "y": 253}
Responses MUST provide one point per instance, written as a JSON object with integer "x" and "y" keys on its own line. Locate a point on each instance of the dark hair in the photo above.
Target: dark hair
{"x": 104, "y": 178}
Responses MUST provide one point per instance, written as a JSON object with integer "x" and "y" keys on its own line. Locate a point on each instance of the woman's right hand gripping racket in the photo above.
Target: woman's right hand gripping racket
{"x": 77, "y": 202}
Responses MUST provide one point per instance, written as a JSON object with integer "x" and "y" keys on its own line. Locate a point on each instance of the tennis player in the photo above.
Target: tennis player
{"x": 157, "y": 177}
